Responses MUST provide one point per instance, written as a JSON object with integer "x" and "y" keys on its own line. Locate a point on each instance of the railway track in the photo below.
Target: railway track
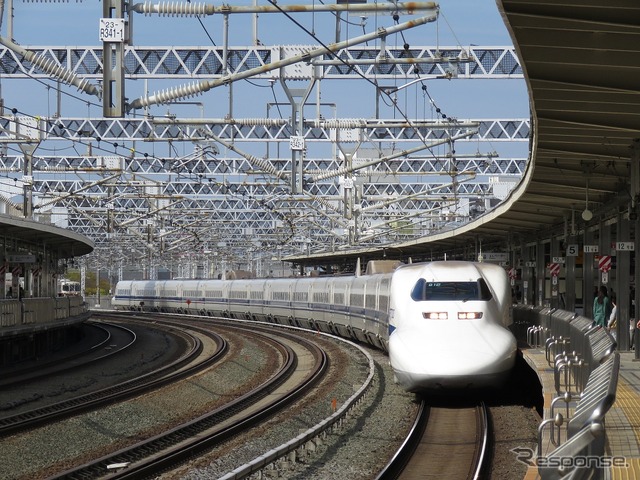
{"x": 191, "y": 362}
{"x": 443, "y": 443}
{"x": 303, "y": 365}
{"x": 164, "y": 459}
{"x": 110, "y": 340}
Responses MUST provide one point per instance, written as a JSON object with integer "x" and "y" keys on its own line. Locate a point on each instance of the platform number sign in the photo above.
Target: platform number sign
{"x": 572, "y": 250}
{"x": 625, "y": 246}
{"x": 112, "y": 29}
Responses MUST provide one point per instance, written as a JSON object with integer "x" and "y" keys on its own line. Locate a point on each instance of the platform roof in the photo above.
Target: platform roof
{"x": 581, "y": 62}
{"x": 67, "y": 243}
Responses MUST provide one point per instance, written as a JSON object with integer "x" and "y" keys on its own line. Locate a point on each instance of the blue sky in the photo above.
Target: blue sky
{"x": 461, "y": 22}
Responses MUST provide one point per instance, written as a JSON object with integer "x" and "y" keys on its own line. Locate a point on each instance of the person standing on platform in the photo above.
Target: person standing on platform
{"x": 601, "y": 307}
{"x": 612, "y": 322}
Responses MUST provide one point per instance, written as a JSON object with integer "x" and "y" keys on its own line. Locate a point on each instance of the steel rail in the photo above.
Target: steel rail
{"x": 168, "y": 374}
{"x": 182, "y": 442}
{"x": 402, "y": 456}
{"x": 18, "y": 376}
{"x": 404, "y": 464}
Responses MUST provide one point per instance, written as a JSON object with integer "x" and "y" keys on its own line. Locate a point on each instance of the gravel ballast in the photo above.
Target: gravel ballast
{"x": 356, "y": 450}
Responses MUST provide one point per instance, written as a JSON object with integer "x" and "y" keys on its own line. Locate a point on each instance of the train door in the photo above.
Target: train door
{"x": 266, "y": 302}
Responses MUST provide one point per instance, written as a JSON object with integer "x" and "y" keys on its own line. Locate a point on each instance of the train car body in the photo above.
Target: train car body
{"x": 68, "y": 288}
{"x": 353, "y": 307}
{"x": 377, "y": 309}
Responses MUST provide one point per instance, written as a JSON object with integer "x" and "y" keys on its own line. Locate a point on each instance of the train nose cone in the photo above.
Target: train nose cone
{"x": 452, "y": 354}
{"x": 441, "y": 351}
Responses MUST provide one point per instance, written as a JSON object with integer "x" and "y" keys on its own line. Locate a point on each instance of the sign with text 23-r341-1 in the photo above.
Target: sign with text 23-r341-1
{"x": 111, "y": 30}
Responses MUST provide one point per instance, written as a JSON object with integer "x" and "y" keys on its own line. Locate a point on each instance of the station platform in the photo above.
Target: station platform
{"x": 622, "y": 422}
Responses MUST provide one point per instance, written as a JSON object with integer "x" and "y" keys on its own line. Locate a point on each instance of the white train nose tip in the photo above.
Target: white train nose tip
{"x": 422, "y": 359}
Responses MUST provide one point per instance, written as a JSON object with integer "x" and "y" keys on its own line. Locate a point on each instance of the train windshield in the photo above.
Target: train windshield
{"x": 447, "y": 291}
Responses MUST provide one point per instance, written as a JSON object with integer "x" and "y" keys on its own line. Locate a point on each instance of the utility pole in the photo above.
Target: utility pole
{"x": 114, "y": 34}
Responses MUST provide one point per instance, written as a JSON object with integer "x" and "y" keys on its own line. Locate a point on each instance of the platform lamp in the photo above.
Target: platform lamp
{"x": 586, "y": 213}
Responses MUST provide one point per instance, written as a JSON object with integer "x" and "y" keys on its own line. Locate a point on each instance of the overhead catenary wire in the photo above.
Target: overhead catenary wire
{"x": 206, "y": 85}
{"x": 289, "y": 222}
{"x": 174, "y": 146}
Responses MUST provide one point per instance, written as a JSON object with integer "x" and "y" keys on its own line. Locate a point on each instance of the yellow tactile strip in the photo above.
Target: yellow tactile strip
{"x": 631, "y": 472}
{"x": 532, "y": 474}
{"x": 623, "y": 430}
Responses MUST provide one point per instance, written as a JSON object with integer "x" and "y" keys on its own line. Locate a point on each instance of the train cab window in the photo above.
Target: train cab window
{"x": 447, "y": 291}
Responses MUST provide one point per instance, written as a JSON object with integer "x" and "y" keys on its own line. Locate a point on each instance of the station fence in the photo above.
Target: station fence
{"x": 20, "y": 315}
{"x": 585, "y": 368}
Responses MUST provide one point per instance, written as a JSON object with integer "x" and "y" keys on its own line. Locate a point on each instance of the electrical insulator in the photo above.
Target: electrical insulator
{"x": 173, "y": 9}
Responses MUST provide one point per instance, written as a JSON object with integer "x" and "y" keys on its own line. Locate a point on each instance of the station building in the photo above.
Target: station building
{"x": 35, "y": 318}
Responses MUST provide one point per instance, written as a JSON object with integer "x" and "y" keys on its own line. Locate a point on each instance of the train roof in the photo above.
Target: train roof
{"x": 452, "y": 270}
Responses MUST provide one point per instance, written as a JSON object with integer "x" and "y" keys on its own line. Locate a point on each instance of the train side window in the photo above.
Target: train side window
{"x": 418, "y": 293}
{"x": 485, "y": 293}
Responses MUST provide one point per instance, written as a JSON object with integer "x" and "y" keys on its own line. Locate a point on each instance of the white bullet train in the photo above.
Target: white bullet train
{"x": 447, "y": 326}
{"x": 444, "y": 324}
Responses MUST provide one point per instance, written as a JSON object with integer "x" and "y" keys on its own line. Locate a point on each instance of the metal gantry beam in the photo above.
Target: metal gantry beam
{"x": 143, "y": 199}
{"x": 195, "y": 62}
{"x": 151, "y": 129}
{"x": 229, "y": 190}
{"x": 149, "y": 195}
{"x": 305, "y": 55}
{"x": 200, "y": 173}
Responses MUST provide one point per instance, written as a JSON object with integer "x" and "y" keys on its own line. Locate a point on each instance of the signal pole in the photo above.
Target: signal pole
{"x": 114, "y": 34}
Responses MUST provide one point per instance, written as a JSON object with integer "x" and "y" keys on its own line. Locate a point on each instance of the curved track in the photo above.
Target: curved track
{"x": 303, "y": 365}
{"x": 101, "y": 348}
{"x": 443, "y": 443}
{"x": 188, "y": 364}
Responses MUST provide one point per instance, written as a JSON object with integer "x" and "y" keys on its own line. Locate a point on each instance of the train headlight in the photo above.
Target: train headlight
{"x": 469, "y": 315}
{"x": 435, "y": 315}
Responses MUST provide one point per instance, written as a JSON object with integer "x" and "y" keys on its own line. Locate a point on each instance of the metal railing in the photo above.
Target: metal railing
{"x": 19, "y": 315}
{"x": 10, "y": 313}
{"x": 586, "y": 368}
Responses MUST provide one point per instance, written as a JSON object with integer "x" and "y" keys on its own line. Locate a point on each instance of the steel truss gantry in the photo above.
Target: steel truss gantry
{"x": 107, "y": 195}
{"x": 187, "y": 63}
{"x": 163, "y": 129}
{"x": 381, "y": 180}
{"x": 144, "y": 200}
